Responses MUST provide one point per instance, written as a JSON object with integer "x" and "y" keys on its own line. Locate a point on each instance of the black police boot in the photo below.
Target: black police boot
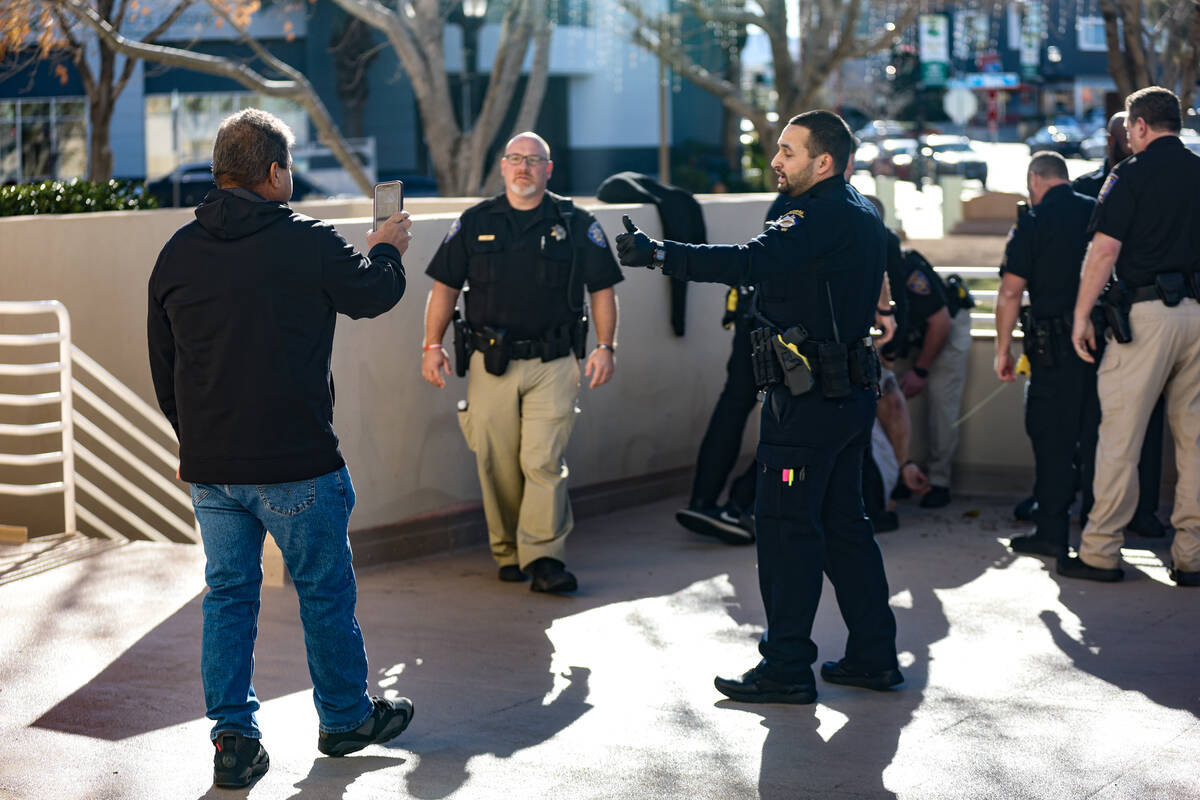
{"x": 511, "y": 573}
{"x": 550, "y": 575}
{"x": 1023, "y": 511}
{"x": 753, "y": 687}
{"x": 936, "y": 497}
{"x": 1147, "y": 526}
{"x": 842, "y": 673}
{"x": 238, "y": 760}
{"x": 1037, "y": 545}
{"x": 1074, "y": 567}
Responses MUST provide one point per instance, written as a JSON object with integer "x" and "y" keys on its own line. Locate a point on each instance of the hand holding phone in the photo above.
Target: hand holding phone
{"x": 389, "y": 199}
{"x": 391, "y": 222}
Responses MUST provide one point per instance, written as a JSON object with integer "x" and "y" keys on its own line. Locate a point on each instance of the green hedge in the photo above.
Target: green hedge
{"x": 73, "y": 197}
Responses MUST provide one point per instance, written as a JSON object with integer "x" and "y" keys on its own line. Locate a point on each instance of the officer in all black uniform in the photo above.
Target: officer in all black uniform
{"x": 1146, "y": 230}
{"x": 1145, "y": 520}
{"x": 527, "y": 255}
{"x": 1043, "y": 254}
{"x": 818, "y": 269}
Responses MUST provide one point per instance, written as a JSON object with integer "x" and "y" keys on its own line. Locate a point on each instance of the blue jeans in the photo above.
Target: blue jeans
{"x": 309, "y": 521}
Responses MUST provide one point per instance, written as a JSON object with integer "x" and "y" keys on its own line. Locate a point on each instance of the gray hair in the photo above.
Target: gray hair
{"x": 247, "y": 144}
{"x": 1048, "y": 165}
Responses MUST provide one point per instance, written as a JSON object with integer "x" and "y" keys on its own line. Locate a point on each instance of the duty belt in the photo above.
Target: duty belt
{"x": 545, "y": 349}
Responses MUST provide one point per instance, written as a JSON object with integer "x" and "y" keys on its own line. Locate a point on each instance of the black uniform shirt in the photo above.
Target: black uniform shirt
{"x": 826, "y": 253}
{"x": 923, "y": 290}
{"x": 1089, "y": 185}
{"x": 1150, "y": 203}
{"x": 519, "y": 263}
{"x": 1046, "y": 248}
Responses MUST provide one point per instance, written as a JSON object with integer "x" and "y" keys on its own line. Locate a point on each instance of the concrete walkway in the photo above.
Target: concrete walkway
{"x": 1020, "y": 684}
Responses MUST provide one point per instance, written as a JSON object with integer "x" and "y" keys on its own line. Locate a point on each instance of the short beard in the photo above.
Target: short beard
{"x": 794, "y": 187}
{"x": 522, "y": 190}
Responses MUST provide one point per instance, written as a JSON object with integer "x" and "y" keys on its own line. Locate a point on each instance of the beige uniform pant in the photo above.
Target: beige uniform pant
{"x": 1163, "y": 358}
{"x": 944, "y": 393}
{"x": 518, "y": 424}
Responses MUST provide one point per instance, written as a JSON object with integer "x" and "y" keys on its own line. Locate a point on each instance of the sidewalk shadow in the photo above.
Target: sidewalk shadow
{"x": 1135, "y": 635}
{"x": 849, "y": 738}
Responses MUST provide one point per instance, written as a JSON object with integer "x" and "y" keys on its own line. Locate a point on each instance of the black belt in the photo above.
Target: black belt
{"x": 527, "y": 348}
{"x": 1143, "y": 293}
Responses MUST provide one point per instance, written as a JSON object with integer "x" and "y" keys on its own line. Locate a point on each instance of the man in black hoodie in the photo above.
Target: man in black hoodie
{"x": 241, "y": 317}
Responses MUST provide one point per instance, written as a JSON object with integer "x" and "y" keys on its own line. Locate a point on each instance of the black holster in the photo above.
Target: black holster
{"x": 579, "y": 334}
{"x": 865, "y": 369}
{"x": 797, "y": 371}
{"x": 463, "y": 344}
{"x": 1115, "y": 304}
{"x": 1171, "y": 287}
{"x": 493, "y": 342}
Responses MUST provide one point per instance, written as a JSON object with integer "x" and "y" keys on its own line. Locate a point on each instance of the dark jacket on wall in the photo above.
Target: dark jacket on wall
{"x": 682, "y": 221}
{"x": 242, "y": 307}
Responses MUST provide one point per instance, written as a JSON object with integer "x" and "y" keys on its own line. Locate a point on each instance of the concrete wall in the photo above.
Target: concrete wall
{"x": 399, "y": 434}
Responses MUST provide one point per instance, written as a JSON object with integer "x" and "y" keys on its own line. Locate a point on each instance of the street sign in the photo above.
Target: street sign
{"x": 960, "y": 105}
{"x": 934, "y": 40}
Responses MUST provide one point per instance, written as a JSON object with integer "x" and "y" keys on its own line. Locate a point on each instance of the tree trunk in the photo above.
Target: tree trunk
{"x": 100, "y": 155}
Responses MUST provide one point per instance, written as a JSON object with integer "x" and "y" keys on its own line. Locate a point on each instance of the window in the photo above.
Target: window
{"x": 180, "y": 128}
{"x": 42, "y": 139}
{"x": 1090, "y": 31}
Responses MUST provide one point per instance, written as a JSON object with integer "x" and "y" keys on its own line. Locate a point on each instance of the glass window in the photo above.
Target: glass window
{"x": 70, "y": 109}
{"x": 35, "y": 110}
{"x": 8, "y": 111}
{"x": 71, "y": 146}
{"x": 10, "y": 161}
{"x": 37, "y": 156}
{"x": 1091, "y": 35}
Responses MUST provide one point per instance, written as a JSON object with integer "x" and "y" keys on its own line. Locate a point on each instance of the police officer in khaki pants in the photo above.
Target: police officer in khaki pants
{"x": 1147, "y": 227}
{"x": 527, "y": 256}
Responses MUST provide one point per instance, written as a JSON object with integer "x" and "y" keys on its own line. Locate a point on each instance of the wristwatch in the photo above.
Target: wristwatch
{"x": 660, "y": 255}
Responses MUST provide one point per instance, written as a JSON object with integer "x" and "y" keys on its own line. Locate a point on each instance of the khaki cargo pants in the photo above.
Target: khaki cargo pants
{"x": 1163, "y": 358}
{"x": 518, "y": 424}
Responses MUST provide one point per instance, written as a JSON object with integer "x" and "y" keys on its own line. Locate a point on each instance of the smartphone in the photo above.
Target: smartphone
{"x": 389, "y": 198}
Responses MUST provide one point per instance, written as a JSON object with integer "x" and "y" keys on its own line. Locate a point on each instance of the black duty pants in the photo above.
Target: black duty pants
{"x": 1062, "y": 415}
{"x": 723, "y": 439}
{"x": 816, "y": 524}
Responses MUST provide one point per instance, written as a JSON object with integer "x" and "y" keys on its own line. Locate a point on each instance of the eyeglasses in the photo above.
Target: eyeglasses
{"x": 516, "y": 158}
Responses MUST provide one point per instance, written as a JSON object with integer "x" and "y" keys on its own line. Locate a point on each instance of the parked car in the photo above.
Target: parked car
{"x": 896, "y": 158}
{"x": 953, "y": 155}
{"x": 864, "y": 155}
{"x": 1095, "y": 147}
{"x": 195, "y": 180}
{"x": 879, "y": 129}
{"x": 1062, "y": 139}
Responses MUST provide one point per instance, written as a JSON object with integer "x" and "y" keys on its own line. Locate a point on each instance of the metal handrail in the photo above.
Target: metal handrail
{"x": 70, "y": 420}
{"x": 63, "y": 368}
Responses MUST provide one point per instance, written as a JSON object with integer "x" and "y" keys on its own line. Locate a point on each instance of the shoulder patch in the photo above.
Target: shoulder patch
{"x": 454, "y": 228}
{"x": 1109, "y": 183}
{"x": 917, "y": 283}
{"x": 596, "y": 235}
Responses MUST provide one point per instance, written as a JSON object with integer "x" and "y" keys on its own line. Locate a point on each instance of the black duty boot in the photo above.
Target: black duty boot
{"x": 1075, "y": 567}
{"x": 238, "y": 760}
{"x": 846, "y": 675}
{"x": 753, "y": 687}
{"x": 1037, "y": 545}
{"x": 511, "y": 573}
{"x": 550, "y": 575}
{"x": 936, "y": 497}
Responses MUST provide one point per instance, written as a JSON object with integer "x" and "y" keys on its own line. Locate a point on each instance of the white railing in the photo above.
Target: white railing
{"x": 134, "y": 424}
{"x": 64, "y": 425}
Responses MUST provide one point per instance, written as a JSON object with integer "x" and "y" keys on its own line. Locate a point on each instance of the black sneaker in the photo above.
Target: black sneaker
{"x": 387, "y": 721}
{"x": 238, "y": 760}
{"x": 1023, "y": 511}
{"x": 936, "y": 497}
{"x": 721, "y": 523}
{"x": 550, "y": 575}
{"x": 1183, "y": 578}
{"x": 1075, "y": 567}
{"x": 1036, "y": 545}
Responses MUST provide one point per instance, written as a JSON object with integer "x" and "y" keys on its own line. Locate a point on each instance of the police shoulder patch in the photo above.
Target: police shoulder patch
{"x": 596, "y": 235}
{"x": 454, "y": 228}
{"x": 1109, "y": 183}
{"x": 917, "y": 283}
{"x": 790, "y": 218}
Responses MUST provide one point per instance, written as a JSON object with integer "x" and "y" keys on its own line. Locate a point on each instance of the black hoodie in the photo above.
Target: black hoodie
{"x": 241, "y": 316}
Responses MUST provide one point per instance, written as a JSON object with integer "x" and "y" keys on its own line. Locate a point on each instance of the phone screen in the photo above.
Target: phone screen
{"x": 389, "y": 198}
